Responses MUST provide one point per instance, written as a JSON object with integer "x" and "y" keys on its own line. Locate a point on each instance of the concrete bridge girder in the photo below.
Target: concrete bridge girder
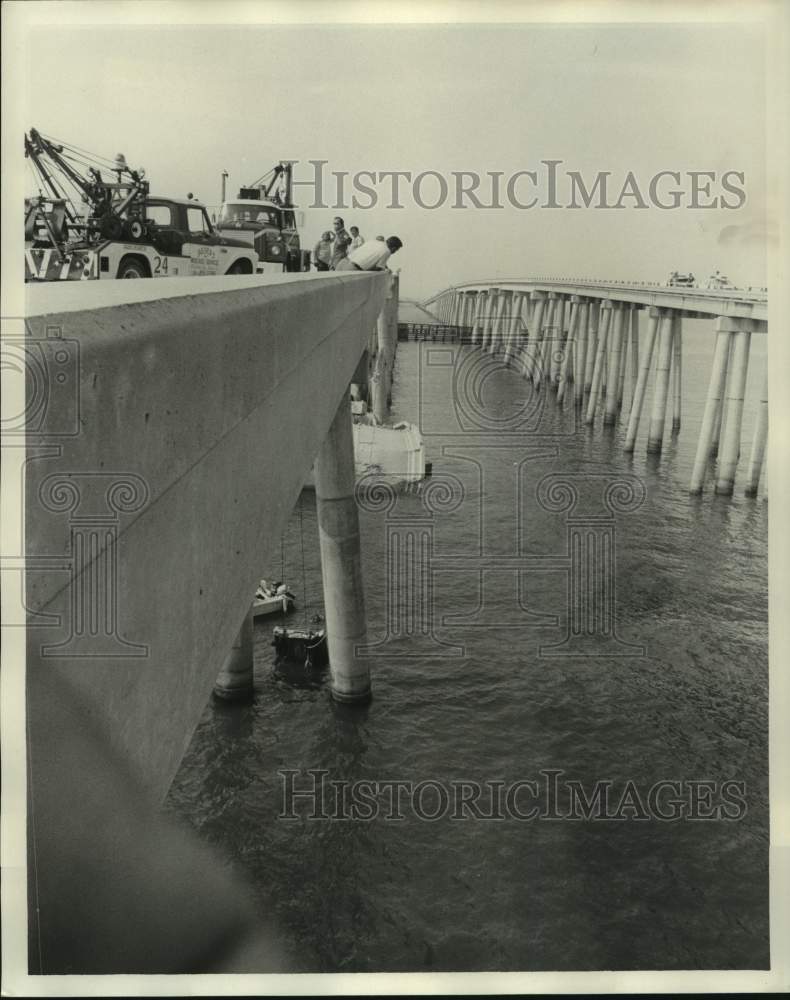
{"x": 211, "y": 403}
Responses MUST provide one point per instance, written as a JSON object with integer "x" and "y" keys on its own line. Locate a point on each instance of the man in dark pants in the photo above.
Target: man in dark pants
{"x": 342, "y": 242}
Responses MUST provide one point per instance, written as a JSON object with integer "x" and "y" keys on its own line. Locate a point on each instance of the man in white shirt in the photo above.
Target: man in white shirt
{"x": 371, "y": 256}
{"x": 356, "y": 239}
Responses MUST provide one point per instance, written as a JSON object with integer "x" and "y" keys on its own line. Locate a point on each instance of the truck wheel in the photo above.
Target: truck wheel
{"x": 132, "y": 268}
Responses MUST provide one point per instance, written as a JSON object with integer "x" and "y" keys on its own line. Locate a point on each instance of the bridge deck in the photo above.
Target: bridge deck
{"x": 736, "y": 303}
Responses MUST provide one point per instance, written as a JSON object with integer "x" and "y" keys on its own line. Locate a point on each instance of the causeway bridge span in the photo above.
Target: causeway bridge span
{"x": 580, "y": 338}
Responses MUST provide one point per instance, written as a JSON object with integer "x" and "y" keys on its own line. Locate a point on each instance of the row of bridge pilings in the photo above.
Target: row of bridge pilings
{"x": 338, "y": 528}
{"x": 584, "y": 348}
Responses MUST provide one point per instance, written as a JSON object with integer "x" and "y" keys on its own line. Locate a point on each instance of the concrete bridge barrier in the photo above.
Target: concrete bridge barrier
{"x": 160, "y": 474}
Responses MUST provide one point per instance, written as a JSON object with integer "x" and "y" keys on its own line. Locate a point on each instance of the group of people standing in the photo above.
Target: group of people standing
{"x": 343, "y": 250}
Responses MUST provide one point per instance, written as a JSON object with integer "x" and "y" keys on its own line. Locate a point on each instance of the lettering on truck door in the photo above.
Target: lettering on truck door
{"x": 201, "y": 246}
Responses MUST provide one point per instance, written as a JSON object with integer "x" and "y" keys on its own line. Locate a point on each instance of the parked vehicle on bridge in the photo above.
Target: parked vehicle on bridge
{"x": 125, "y": 233}
{"x": 682, "y": 280}
{"x": 719, "y": 280}
{"x": 264, "y": 217}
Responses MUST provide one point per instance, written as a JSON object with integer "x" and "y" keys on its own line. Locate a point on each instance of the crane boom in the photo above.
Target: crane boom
{"x": 109, "y": 202}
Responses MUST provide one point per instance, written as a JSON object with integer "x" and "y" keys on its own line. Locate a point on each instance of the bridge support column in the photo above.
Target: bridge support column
{"x": 455, "y": 302}
{"x": 477, "y": 324}
{"x": 580, "y": 349}
{"x": 558, "y": 346}
{"x": 235, "y": 680}
{"x": 718, "y": 418}
{"x": 544, "y": 343}
{"x": 655, "y": 436}
{"x": 634, "y": 350}
{"x": 592, "y": 345}
{"x": 491, "y": 315}
{"x": 613, "y": 379}
{"x": 623, "y": 356}
{"x": 713, "y": 403}
{"x": 488, "y": 301}
{"x": 758, "y": 442}
{"x": 464, "y": 316}
{"x": 512, "y": 345}
{"x": 528, "y": 355}
{"x": 570, "y": 358}
{"x": 497, "y": 332}
{"x": 641, "y": 384}
{"x": 600, "y": 360}
{"x": 338, "y": 530}
{"x": 736, "y": 387}
{"x": 677, "y": 371}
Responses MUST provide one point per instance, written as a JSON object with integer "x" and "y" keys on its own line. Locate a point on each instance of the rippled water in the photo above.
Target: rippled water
{"x": 691, "y": 588}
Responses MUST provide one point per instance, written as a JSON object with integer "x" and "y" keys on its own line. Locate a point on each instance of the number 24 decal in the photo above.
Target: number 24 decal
{"x": 160, "y": 265}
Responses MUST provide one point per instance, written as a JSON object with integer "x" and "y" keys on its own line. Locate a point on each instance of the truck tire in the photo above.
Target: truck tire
{"x": 133, "y": 267}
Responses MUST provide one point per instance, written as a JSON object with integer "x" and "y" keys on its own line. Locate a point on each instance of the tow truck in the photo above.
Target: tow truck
{"x": 126, "y": 233}
{"x": 263, "y": 215}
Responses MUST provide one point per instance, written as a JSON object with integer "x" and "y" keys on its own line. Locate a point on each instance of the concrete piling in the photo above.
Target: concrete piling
{"x": 338, "y": 530}
{"x": 634, "y": 349}
{"x": 544, "y": 337}
{"x": 570, "y": 355}
{"x": 235, "y": 680}
{"x": 498, "y": 333}
{"x": 759, "y": 442}
{"x": 713, "y": 404}
{"x": 736, "y": 387}
{"x": 624, "y": 343}
{"x": 580, "y": 350}
{"x": 655, "y": 435}
{"x": 638, "y": 399}
{"x": 677, "y": 371}
{"x": 558, "y": 346}
{"x": 477, "y": 326}
{"x": 592, "y": 344}
{"x": 610, "y": 411}
{"x": 530, "y": 344}
{"x": 718, "y": 421}
{"x": 490, "y": 318}
{"x": 512, "y": 345}
{"x": 600, "y": 360}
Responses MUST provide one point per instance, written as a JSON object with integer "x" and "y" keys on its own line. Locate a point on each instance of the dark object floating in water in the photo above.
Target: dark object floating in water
{"x": 306, "y": 646}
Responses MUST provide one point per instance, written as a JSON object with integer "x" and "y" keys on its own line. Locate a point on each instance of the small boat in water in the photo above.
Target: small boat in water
{"x": 272, "y": 598}
{"x": 306, "y": 645}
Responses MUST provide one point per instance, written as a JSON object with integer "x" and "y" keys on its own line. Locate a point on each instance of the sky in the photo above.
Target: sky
{"x": 187, "y": 102}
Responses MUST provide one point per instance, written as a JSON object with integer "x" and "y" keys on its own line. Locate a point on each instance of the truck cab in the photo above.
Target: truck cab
{"x": 181, "y": 228}
{"x": 268, "y": 226}
{"x": 170, "y": 237}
